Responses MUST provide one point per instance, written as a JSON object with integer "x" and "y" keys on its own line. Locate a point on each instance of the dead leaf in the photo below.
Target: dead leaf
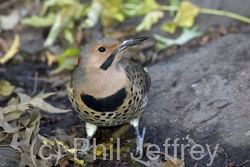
{"x": 3, "y": 45}
{"x": 12, "y": 51}
{"x": 248, "y": 133}
{"x": 118, "y": 34}
{"x": 36, "y": 102}
{"x": 174, "y": 162}
{"x": 6, "y": 88}
{"x": 157, "y": 163}
{"x": 14, "y": 16}
{"x": 19, "y": 127}
{"x": 51, "y": 58}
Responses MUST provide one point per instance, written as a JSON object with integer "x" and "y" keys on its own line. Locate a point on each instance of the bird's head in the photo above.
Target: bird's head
{"x": 104, "y": 53}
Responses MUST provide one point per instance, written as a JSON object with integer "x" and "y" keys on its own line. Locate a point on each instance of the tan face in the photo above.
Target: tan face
{"x": 96, "y": 53}
{"x": 103, "y": 53}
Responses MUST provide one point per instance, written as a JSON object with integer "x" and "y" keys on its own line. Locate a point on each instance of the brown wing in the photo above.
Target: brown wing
{"x": 136, "y": 74}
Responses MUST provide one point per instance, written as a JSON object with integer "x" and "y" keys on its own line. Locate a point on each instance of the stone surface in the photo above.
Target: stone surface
{"x": 205, "y": 21}
{"x": 205, "y": 94}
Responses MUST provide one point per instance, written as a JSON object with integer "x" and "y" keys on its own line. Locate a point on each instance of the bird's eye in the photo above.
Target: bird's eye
{"x": 101, "y": 49}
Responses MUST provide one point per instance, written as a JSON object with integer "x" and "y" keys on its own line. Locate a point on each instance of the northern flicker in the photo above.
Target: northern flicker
{"x": 107, "y": 89}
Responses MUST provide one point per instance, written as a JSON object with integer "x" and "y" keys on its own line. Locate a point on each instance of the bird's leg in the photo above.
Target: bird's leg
{"x": 91, "y": 129}
{"x": 139, "y": 138}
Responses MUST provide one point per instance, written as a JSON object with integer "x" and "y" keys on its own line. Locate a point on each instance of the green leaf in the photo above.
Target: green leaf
{"x": 136, "y": 8}
{"x": 150, "y": 19}
{"x": 67, "y": 63}
{"x": 54, "y": 31}
{"x": 93, "y": 14}
{"x": 81, "y": 11}
{"x": 70, "y": 52}
{"x": 59, "y": 3}
{"x": 38, "y": 21}
{"x": 173, "y": 3}
{"x": 68, "y": 59}
{"x": 186, "y": 36}
{"x": 68, "y": 35}
{"x": 63, "y": 20}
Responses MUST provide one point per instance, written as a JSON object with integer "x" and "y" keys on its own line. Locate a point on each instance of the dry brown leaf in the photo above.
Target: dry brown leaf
{"x": 3, "y": 45}
{"x": 14, "y": 16}
{"x": 51, "y": 58}
{"x": 174, "y": 162}
{"x": 118, "y": 34}
{"x": 19, "y": 127}
{"x": 36, "y": 102}
{"x": 12, "y": 51}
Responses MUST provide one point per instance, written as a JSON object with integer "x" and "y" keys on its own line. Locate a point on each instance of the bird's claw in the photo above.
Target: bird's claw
{"x": 139, "y": 143}
{"x": 85, "y": 148}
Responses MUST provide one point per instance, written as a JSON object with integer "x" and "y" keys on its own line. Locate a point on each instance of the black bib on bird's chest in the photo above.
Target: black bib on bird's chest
{"x": 110, "y": 103}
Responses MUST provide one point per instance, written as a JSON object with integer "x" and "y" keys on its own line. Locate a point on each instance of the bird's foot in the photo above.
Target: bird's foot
{"x": 139, "y": 142}
{"x": 85, "y": 148}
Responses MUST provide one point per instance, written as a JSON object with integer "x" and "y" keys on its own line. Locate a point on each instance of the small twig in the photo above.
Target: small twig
{"x": 243, "y": 163}
{"x": 39, "y": 79}
{"x": 224, "y": 13}
{"x": 211, "y": 11}
{"x": 35, "y": 84}
{"x": 119, "y": 163}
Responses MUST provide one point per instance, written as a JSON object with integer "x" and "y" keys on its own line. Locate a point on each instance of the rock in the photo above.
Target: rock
{"x": 205, "y": 94}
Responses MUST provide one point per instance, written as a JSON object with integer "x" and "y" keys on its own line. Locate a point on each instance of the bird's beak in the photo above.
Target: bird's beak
{"x": 131, "y": 42}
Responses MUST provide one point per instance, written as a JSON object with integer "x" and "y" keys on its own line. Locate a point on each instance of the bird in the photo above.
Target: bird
{"x": 107, "y": 89}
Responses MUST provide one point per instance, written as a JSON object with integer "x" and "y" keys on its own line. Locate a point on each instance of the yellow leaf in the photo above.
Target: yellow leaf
{"x": 72, "y": 151}
{"x": 79, "y": 161}
{"x": 169, "y": 27}
{"x": 184, "y": 18}
{"x": 99, "y": 150}
{"x": 12, "y": 51}
{"x": 48, "y": 142}
{"x": 6, "y": 88}
{"x": 76, "y": 160}
{"x": 112, "y": 11}
{"x": 148, "y": 5}
{"x": 186, "y": 14}
{"x": 150, "y": 19}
